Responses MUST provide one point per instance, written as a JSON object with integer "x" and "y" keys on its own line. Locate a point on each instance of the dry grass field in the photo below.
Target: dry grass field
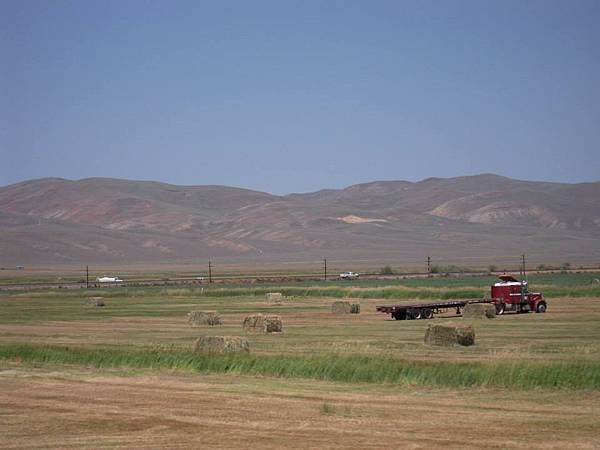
{"x": 76, "y": 376}
{"x": 78, "y": 408}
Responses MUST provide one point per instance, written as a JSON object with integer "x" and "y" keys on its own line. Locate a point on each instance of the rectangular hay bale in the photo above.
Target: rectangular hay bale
{"x": 258, "y": 323}
{"x": 221, "y": 344}
{"x": 479, "y": 311}
{"x": 198, "y": 318}
{"x": 274, "y": 297}
{"x": 448, "y": 335}
{"x": 96, "y": 301}
{"x": 345, "y": 307}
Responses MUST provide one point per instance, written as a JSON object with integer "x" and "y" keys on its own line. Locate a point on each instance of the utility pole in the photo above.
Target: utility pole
{"x": 209, "y": 271}
{"x": 523, "y": 282}
{"x": 429, "y": 266}
{"x": 325, "y": 267}
{"x": 87, "y": 277}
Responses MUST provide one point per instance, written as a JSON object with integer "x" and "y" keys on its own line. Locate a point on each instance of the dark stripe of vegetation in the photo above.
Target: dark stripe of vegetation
{"x": 390, "y": 293}
{"x": 332, "y": 367}
{"x": 397, "y": 293}
{"x": 571, "y": 291}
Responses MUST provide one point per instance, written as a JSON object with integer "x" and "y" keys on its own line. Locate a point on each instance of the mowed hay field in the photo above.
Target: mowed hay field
{"x": 75, "y": 375}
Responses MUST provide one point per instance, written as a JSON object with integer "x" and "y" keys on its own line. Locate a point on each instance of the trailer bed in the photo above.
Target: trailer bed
{"x": 426, "y": 310}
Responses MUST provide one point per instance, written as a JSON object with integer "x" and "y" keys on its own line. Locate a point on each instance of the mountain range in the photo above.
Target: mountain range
{"x": 476, "y": 219}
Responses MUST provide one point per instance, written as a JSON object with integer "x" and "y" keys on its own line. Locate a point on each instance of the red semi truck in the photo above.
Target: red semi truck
{"x": 509, "y": 294}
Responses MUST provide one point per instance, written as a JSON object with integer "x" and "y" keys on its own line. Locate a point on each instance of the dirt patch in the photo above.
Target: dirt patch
{"x": 352, "y": 219}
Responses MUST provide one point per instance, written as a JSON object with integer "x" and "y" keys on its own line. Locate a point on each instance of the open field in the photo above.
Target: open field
{"x": 124, "y": 375}
{"x": 80, "y": 408}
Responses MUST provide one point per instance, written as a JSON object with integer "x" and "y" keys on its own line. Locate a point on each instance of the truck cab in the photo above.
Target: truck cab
{"x": 510, "y": 294}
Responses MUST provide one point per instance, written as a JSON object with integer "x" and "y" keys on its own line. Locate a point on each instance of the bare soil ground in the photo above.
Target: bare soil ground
{"x": 75, "y": 408}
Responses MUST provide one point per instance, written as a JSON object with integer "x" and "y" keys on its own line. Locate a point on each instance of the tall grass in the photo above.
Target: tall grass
{"x": 331, "y": 367}
{"x": 387, "y": 292}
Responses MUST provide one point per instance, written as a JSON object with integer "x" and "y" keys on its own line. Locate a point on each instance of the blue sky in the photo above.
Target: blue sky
{"x": 293, "y": 96}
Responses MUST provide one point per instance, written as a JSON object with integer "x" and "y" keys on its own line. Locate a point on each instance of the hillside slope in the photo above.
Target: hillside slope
{"x": 55, "y": 221}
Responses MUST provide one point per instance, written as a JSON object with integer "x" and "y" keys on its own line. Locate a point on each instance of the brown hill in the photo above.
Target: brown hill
{"x": 478, "y": 218}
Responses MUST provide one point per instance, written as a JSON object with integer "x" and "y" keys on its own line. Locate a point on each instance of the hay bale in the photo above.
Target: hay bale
{"x": 251, "y": 322}
{"x": 479, "y": 311}
{"x": 221, "y": 344}
{"x": 198, "y": 318}
{"x": 273, "y": 324}
{"x": 449, "y": 335}
{"x": 274, "y": 297}
{"x": 96, "y": 301}
{"x": 258, "y": 323}
{"x": 345, "y": 307}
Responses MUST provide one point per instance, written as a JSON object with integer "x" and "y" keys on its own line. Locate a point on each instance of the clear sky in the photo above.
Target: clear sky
{"x": 293, "y": 96}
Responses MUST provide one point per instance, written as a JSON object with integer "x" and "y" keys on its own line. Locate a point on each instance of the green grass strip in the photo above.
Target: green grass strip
{"x": 330, "y": 367}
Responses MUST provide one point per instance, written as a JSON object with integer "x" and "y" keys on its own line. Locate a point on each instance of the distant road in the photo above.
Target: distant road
{"x": 250, "y": 279}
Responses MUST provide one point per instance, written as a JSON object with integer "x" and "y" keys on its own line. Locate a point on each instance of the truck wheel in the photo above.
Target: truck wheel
{"x": 541, "y": 307}
{"x": 427, "y": 313}
{"x": 499, "y": 309}
{"x": 417, "y": 314}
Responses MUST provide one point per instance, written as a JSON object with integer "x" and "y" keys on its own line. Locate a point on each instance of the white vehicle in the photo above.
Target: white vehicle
{"x": 348, "y": 276}
{"x": 109, "y": 280}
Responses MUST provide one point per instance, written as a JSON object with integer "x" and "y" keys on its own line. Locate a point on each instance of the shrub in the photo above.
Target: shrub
{"x": 386, "y": 270}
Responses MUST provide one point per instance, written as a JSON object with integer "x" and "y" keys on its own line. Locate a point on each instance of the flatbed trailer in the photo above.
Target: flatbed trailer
{"x": 426, "y": 310}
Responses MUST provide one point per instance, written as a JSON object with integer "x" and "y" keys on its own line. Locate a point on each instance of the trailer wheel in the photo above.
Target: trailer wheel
{"x": 499, "y": 309}
{"x": 399, "y": 315}
{"x": 417, "y": 314}
{"x": 427, "y": 313}
{"x": 541, "y": 307}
